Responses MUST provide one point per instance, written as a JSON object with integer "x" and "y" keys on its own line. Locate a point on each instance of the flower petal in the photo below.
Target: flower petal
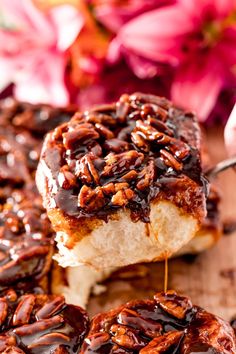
{"x": 224, "y": 7}
{"x": 197, "y": 85}
{"x": 219, "y": 8}
{"x": 46, "y": 78}
{"x": 23, "y": 15}
{"x": 7, "y": 73}
{"x": 67, "y": 21}
{"x": 226, "y": 48}
{"x": 230, "y": 133}
{"x": 158, "y": 34}
{"x": 113, "y": 15}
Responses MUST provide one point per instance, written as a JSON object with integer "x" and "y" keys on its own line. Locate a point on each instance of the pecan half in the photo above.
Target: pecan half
{"x": 163, "y": 344}
{"x": 168, "y": 324}
{"x": 41, "y": 323}
{"x": 176, "y": 306}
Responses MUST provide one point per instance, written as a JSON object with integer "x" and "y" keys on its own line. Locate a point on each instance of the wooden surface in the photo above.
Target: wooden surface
{"x": 209, "y": 279}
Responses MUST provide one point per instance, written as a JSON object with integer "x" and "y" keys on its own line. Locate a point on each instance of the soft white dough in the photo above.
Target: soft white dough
{"x": 81, "y": 282}
{"x": 122, "y": 242}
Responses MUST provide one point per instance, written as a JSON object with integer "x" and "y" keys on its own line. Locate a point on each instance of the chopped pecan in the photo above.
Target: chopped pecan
{"x": 66, "y": 179}
{"x": 50, "y": 307}
{"x": 140, "y": 141}
{"x": 122, "y": 107}
{"x": 179, "y": 149}
{"x": 78, "y": 136}
{"x": 130, "y": 176}
{"x": 7, "y": 344}
{"x": 108, "y": 189}
{"x": 58, "y": 131}
{"x": 119, "y": 198}
{"x": 23, "y": 310}
{"x": 86, "y": 170}
{"x": 103, "y": 131}
{"x": 120, "y": 186}
{"x": 39, "y": 326}
{"x": 95, "y": 342}
{"x": 150, "y": 133}
{"x": 127, "y": 337}
{"x": 208, "y": 333}
{"x": 163, "y": 344}
{"x": 50, "y": 339}
{"x": 101, "y": 118}
{"x": 91, "y": 199}
{"x": 160, "y": 126}
{"x": 170, "y": 160}
{"x": 176, "y": 306}
{"x": 117, "y": 164}
{"x": 122, "y": 197}
{"x": 116, "y": 145}
{"x": 131, "y": 318}
{"x": 156, "y": 100}
{"x": 3, "y": 310}
{"x": 146, "y": 176}
{"x": 95, "y": 149}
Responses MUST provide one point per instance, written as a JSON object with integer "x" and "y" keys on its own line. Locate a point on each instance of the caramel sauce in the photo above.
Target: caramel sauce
{"x": 125, "y": 155}
{"x": 166, "y": 275}
{"x": 167, "y": 324}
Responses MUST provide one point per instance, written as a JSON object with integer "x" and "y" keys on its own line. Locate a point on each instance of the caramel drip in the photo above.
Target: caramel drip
{"x": 166, "y": 275}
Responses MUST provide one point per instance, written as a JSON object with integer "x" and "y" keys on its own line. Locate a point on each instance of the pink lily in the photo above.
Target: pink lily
{"x": 230, "y": 133}
{"x": 114, "y": 14}
{"x": 197, "y": 38}
{"x": 33, "y": 50}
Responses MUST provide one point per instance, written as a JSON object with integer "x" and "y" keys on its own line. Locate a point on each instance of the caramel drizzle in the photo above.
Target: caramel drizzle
{"x": 166, "y": 275}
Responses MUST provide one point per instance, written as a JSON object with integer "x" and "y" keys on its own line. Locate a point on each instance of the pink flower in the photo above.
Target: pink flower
{"x": 114, "y": 13}
{"x": 197, "y": 38}
{"x": 33, "y": 47}
{"x": 230, "y": 133}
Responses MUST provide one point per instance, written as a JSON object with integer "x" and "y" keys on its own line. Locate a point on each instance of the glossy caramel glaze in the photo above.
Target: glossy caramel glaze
{"x": 26, "y": 236}
{"x": 127, "y": 154}
{"x": 167, "y": 324}
{"x": 34, "y": 324}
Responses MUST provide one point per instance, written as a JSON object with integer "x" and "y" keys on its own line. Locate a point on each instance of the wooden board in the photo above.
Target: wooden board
{"x": 209, "y": 279}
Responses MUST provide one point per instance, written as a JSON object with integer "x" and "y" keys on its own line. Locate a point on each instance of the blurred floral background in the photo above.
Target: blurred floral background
{"x": 88, "y": 52}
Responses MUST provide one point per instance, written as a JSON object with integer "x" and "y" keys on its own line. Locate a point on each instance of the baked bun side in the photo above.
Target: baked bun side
{"x": 123, "y": 183}
{"x": 76, "y": 284}
{"x": 121, "y": 242}
{"x": 211, "y": 228}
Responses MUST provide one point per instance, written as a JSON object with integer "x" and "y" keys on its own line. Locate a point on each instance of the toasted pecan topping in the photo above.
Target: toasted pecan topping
{"x": 22, "y": 127}
{"x": 41, "y": 324}
{"x": 167, "y": 324}
{"x": 142, "y": 140}
{"x": 26, "y": 237}
{"x": 38, "y": 119}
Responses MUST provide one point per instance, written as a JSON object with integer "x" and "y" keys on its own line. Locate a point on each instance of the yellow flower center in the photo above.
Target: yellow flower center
{"x": 213, "y": 31}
